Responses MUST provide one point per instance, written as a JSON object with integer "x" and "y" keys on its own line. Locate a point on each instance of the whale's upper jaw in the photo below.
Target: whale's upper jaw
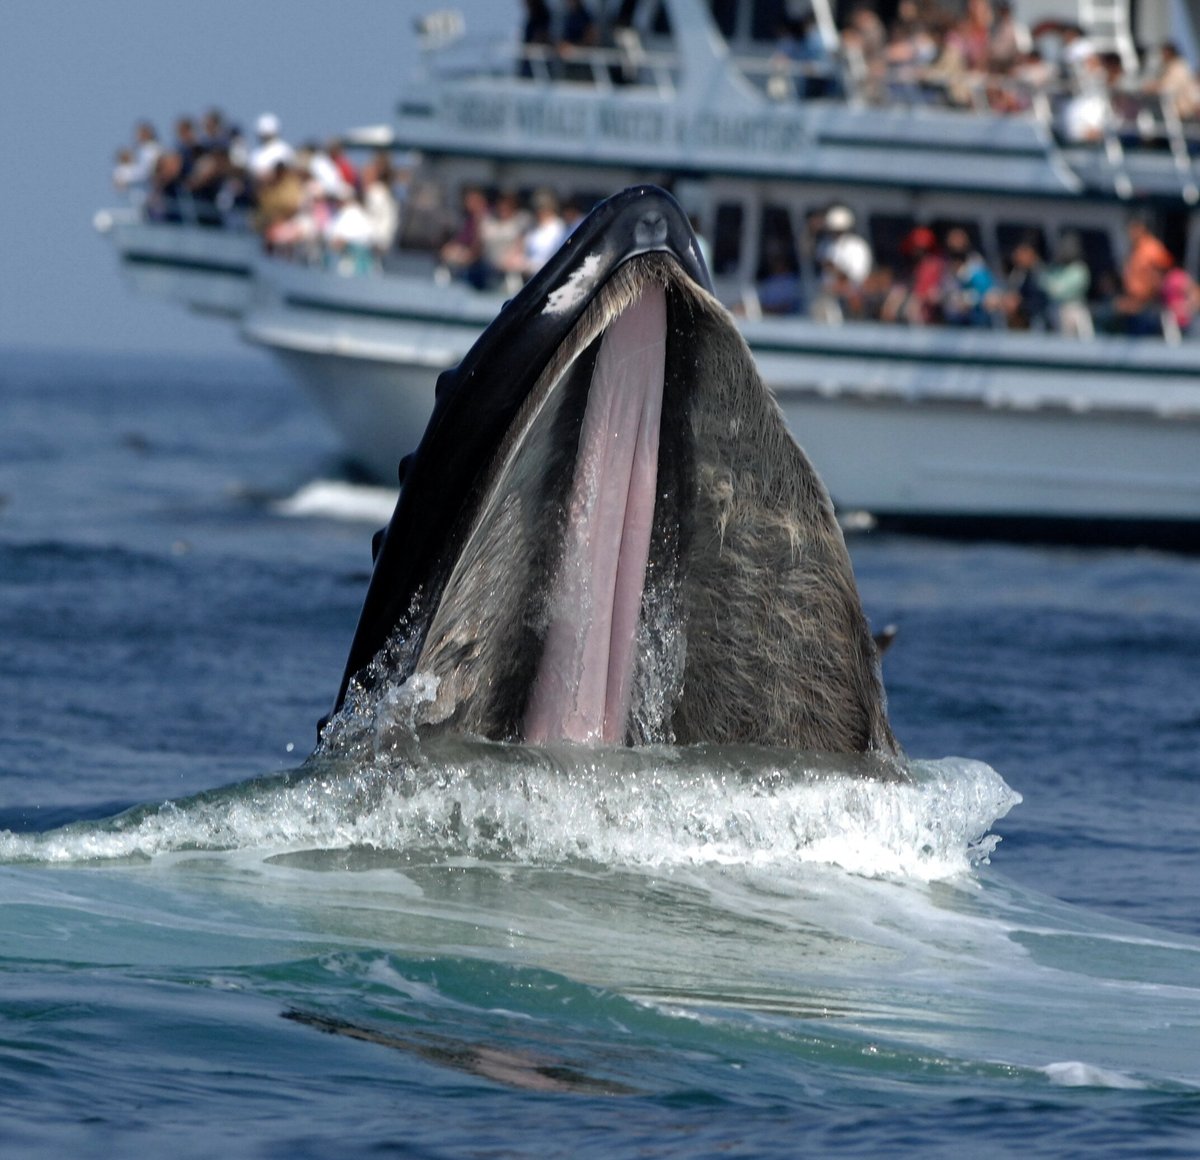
{"x": 530, "y": 327}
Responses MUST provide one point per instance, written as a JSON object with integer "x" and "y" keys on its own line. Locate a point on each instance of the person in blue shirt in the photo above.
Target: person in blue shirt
{"x": 972, "y": 296}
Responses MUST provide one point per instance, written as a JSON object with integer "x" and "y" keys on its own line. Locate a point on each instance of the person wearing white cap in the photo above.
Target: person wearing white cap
{"x": 846, "y": 262}
{"x": 271, "y": 148}
{"x": 848, "y": 253}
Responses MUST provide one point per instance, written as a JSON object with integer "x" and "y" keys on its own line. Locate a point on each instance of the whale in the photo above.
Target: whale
{"x": 607, "y": 534}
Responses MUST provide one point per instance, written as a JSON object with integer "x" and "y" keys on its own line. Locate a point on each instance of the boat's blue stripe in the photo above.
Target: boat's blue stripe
{"x": 203, "y": 265}
{"x": 888, "y": 354}
{"x": 990, "y": 358}
{"x": 939, "y": 148}
{"x": 958, "y": 182}
{"x": 386, "y": 313}
{"x": 1178, "y": 535}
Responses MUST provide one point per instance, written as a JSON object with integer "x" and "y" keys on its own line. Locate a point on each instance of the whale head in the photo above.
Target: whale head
{"x": 607, "y": 534}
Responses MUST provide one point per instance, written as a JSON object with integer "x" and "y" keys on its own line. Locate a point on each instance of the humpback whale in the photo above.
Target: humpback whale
{"x": 607, "y": 535}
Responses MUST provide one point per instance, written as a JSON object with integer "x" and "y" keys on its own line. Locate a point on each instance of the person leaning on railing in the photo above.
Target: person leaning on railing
{"x": 133, "y": 175}
{"x": 579, "y": 35}
{"x": 1173, "y": 81}
{"x": 279, "y": 198}
{"x": 972, "y": 297}
{"x": 1065, "y": 280}
{"x": 1138, "y": 308}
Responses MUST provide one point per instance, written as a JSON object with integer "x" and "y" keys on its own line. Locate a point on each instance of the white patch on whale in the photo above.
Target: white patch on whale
{"x": 576, "y": 288}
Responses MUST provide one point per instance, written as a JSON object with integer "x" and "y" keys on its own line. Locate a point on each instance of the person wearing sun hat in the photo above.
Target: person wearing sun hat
{"x": 846, "y": 261}
{"x": 271, "y": 148}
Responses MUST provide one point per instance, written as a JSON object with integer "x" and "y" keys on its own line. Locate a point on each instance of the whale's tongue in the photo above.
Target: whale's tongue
{"x": 584, "y": 680}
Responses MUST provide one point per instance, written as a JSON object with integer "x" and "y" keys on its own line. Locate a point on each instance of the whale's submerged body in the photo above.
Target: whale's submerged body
{"x": 607, "y": 534}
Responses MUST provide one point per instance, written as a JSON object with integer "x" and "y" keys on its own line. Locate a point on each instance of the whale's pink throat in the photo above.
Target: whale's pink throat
{"x": 584, "y": 681}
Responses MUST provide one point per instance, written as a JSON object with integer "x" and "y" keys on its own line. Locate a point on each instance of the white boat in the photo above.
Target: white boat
{"x": 944, "y": 428}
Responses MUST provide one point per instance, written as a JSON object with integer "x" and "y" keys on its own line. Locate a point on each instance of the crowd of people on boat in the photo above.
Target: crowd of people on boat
{"x": 310, "y": 201}
{"x": 978, "y": 54}
{"x": 939, "y": 277}
{"x": 981, "y": 55}
{"x": 314, "y": 204}
{"x": 943, "y": 279}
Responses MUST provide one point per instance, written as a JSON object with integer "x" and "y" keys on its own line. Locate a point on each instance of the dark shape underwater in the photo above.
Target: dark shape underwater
{"x": 608, "y": 535}
{"x": 514, "y": 1068}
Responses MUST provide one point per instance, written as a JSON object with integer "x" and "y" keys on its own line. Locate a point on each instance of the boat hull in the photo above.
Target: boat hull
{"x": 378, "y": 409}
{"x": 954, "y": 467}
{"x": 971, "y": 448}
{"x": 208, "y": 270}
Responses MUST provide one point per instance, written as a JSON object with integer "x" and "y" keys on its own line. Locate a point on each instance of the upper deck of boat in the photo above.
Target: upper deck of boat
{"x": 665, "y": 91}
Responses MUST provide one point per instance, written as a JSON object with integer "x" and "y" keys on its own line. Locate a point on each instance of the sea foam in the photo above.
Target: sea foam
{"x": 653, "y": 807}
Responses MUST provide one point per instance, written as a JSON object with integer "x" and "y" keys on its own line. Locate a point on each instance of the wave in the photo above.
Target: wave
{"x": 652, "y": 807}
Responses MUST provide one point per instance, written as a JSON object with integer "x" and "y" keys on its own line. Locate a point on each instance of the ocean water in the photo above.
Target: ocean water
{"x": 209, "y": 946}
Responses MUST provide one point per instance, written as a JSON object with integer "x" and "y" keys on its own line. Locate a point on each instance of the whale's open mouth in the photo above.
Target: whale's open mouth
{"x": 582, "y": 688}
{"x": 577, "y": 541}
{"x": 608, "y": 535}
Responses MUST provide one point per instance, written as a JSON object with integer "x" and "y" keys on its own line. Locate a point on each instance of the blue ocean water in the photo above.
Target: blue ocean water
{"x": 209, "y": 947}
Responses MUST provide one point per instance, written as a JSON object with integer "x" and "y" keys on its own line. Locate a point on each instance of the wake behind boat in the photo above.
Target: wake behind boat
{"x": 962, "y": 427}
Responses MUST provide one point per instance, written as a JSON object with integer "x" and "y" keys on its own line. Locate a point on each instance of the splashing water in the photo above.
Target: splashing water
{"x": 647, "y": 808}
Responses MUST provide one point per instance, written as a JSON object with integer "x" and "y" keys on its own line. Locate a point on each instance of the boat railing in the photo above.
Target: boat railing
{"x": 1151, "y": 121}
{"x": 1074, "y": 321}
{"x": 846, "y": 77}
{"x": 782, "y": 79}
{"x": 1139, "y": 121}
{"x": 1142, "y": 123}
{"x": 627, "y": 63}
{"x": 1136, "y": 114}
{"x": 1181, "y": 146}
{"x": 184, "y": 209}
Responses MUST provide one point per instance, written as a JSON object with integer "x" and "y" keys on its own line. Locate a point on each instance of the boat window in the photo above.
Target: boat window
{"x": 759, "y": 20}
{"x": 1174, "y": 231}
{"x": 727, "y": 238}
{"x": 725, "y": 14}
{"x": 430, "y": 214}
{"x": 767, "y": 17}
{"x": 1009, "y": 235}
{"x": 887, "y": 232}
{"x": 777, "y": 243}
{"x": 1098, "y": 253}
